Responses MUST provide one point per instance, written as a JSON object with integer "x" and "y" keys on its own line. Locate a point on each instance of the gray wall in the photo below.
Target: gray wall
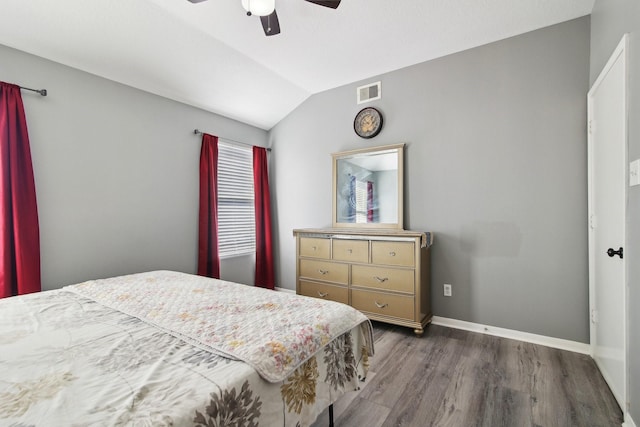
{"x": 495, "y": 166}
{"x": 116, "y": 173}
{"x": 610, "y": 20}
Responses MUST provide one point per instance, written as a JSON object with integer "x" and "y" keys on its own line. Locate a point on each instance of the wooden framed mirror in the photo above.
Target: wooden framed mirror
{"x": 368, "y": 187}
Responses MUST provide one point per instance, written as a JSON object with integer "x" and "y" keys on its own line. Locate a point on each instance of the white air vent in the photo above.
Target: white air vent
{"x": 369, "y": 92}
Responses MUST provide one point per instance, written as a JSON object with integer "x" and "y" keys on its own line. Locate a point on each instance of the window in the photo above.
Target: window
{"x": 236, "y": 212}
{"x": 361, "y": 202}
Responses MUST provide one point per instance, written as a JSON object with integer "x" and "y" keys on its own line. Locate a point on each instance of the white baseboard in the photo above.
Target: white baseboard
{"x": 558, "y": 343}
{"x": 628, "y": 422}
{"x": 291, "y": 291}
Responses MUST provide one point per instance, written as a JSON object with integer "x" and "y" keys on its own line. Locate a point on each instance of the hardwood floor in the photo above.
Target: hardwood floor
{"x": 455, "y": 378}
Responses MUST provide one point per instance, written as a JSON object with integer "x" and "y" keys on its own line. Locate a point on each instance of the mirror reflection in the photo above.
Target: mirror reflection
{"x": 368, "y": 185}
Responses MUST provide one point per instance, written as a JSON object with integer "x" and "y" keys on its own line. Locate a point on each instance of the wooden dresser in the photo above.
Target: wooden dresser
{"x": 382, "y": 273}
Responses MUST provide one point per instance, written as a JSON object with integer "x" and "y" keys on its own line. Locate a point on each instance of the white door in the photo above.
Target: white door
{"x": 607, "y": 207}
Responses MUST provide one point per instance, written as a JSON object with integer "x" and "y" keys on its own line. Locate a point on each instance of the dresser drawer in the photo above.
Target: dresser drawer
{"x": 383, "y": 278}
{"x": 393, "y": 253}
{"x": 324, "y": 270}
{"x": 351, "y": 250}
{"x": 315, "y": 247}
{"x": 384, "y": 304}
{"x": 324, "y": 291}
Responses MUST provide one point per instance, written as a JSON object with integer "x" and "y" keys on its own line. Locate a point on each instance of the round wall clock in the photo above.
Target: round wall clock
{"x": 368, "y": 122}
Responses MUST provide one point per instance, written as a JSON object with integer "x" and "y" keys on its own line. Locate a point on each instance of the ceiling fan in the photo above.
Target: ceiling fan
{"x": 266, "y": 10}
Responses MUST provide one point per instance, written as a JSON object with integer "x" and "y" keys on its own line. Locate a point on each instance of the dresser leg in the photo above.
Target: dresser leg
{"x": 418, "y": 332}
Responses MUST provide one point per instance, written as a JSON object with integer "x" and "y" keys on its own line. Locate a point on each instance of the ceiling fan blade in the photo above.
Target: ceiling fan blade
{"x": 270, "y": 24}
{"x": 333, "y": 4}
{"x": 197, "y": 1}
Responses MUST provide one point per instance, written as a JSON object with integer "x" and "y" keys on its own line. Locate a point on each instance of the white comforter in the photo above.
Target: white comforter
{"x": 72, "y": 357}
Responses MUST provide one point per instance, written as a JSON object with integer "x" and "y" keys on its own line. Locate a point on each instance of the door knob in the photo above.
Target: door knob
{"x": 611, "y": 252}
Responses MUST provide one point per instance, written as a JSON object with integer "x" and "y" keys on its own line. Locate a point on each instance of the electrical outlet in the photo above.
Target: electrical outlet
{"x": 447, "y": 290}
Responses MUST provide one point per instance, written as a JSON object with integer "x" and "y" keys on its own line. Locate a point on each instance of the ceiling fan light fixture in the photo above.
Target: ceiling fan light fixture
{"x": 259, "y": 7}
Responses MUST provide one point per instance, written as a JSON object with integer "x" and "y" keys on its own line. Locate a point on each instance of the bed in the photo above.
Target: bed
{"x": 171, "y": 349}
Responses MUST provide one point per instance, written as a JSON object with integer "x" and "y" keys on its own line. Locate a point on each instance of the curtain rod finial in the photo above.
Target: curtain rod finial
{"x": 196, "y": 131}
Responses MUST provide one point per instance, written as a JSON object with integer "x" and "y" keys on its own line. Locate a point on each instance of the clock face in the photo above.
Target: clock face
{"x": 368, "y": 122}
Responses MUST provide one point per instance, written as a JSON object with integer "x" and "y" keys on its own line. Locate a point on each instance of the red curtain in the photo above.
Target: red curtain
{"x": 369, "y": 201}
{"x": 19, "y": 229}
{"x": 265, "y": 277}
{"x": 208, "y": 255}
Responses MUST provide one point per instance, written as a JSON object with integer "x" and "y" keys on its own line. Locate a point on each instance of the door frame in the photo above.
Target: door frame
{"x": 621, "y": 52}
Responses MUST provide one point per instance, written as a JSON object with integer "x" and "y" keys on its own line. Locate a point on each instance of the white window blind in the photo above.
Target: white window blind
{"x": 236, "y": 212}
{"x": 361, "y": 202}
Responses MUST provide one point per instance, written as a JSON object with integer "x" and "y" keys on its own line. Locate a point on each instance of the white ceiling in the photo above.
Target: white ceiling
{"x": 211, "y": 55}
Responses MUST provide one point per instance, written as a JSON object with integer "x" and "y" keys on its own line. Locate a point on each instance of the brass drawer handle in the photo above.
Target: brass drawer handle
{"x": 322, "y": 294}
{"x": 350, "y": 251}
{"x": 380, "y": 305}
{"x": 323, "y": 271}
{"x": 381, "y": 279}
{"x": 314, "y": 248}
{"x": 392, "y": 254}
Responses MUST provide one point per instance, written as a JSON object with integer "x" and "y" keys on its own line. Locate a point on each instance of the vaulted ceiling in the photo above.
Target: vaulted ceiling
{"x": 211, "y": 55}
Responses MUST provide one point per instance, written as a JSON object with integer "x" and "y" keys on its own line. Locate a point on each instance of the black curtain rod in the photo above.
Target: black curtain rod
{"x": 42, "y": 92}
{"x": 197, "y": 132}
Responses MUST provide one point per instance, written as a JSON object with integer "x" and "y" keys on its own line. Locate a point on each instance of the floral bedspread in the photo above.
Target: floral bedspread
{"x": 67, "y": 360}
{"x": 274, "y": 332}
